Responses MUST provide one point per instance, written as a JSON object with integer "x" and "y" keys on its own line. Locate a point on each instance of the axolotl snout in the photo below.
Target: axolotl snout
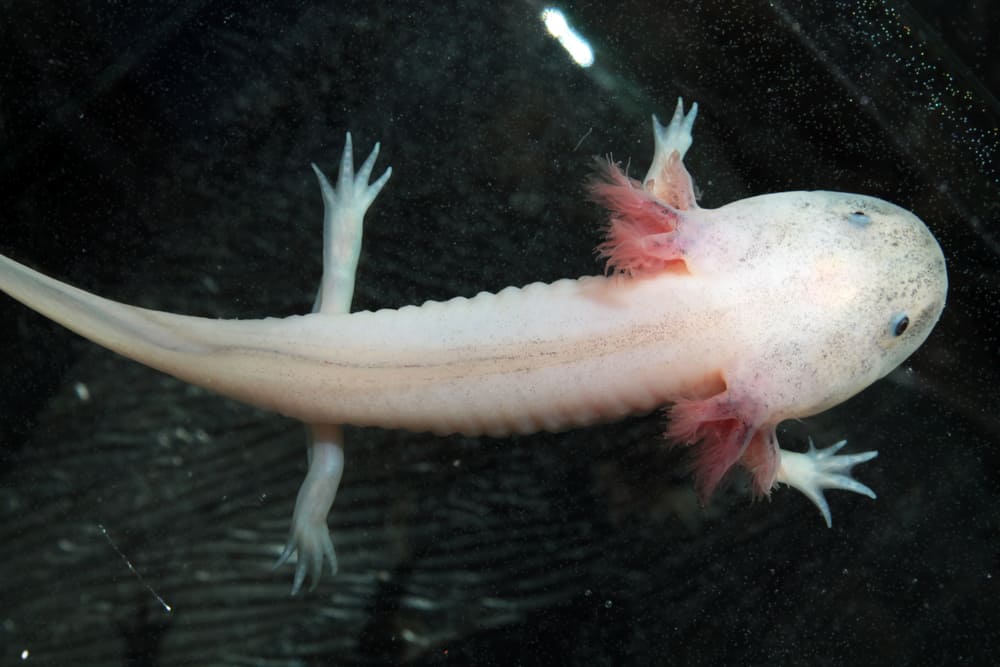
{"x": 769, "y": 308}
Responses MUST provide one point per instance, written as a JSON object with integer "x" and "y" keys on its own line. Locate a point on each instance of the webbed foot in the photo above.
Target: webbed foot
{"x": 313, "y": 545}
{"x": 677, "y": 135}
{"x": 344, "y": 209}
{"x": 820, "y": 469}
{"x": 309, "y": 535}
{"x": 667, "y": 177}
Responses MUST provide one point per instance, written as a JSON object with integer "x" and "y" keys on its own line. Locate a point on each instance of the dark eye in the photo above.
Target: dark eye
{"x": 898, "y": 324}
{"x": 859, "y": 218}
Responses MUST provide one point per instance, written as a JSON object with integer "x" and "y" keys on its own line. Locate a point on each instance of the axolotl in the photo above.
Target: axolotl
{"x": 769, "y": 308}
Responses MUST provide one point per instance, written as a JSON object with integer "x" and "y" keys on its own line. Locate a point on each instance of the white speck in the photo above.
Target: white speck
{"x": 574, "y": 43}
{"x": 81, "y": 391}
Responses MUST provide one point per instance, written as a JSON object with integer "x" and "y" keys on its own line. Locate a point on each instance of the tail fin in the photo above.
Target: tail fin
{"x": 136, "y": 333}
{"x": 232, "y": 357}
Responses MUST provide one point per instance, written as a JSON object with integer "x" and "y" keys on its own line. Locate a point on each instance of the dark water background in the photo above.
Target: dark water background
{"x": 157, "y": 154}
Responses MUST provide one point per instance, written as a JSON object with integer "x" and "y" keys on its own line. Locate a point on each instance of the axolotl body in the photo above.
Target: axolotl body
{"x": 769, "y": 308}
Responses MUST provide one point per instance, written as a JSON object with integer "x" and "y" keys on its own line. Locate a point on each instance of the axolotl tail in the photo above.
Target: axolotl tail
{"x": 194, "y": 349}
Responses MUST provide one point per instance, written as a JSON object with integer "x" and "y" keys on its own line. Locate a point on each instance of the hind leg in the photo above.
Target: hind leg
{"x": 344, "y": 211}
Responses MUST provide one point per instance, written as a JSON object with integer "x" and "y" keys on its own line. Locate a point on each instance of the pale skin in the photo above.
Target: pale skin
{"x": 343, "y": 215}
{"x": 775, "y": 307}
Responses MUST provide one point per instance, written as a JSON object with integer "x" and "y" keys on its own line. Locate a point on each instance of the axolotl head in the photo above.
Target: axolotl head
{"x": 872, "y": 282}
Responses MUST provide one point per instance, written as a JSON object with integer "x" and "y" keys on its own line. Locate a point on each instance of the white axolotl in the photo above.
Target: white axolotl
{"x": 769, "y": 308}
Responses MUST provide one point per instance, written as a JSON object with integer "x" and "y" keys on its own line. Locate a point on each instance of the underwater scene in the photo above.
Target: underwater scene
{"x": 520, "y": 479}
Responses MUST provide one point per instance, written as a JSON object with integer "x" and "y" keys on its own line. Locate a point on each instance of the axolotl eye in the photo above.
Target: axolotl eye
{"x": 859, "y": 219}
{"x": 898, "y": 324}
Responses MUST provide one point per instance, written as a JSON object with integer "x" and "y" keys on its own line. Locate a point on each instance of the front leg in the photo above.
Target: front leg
{"x": 343, "y": 214}
{"x": 820, "y": 469}
{"x": 667, "y": 178}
